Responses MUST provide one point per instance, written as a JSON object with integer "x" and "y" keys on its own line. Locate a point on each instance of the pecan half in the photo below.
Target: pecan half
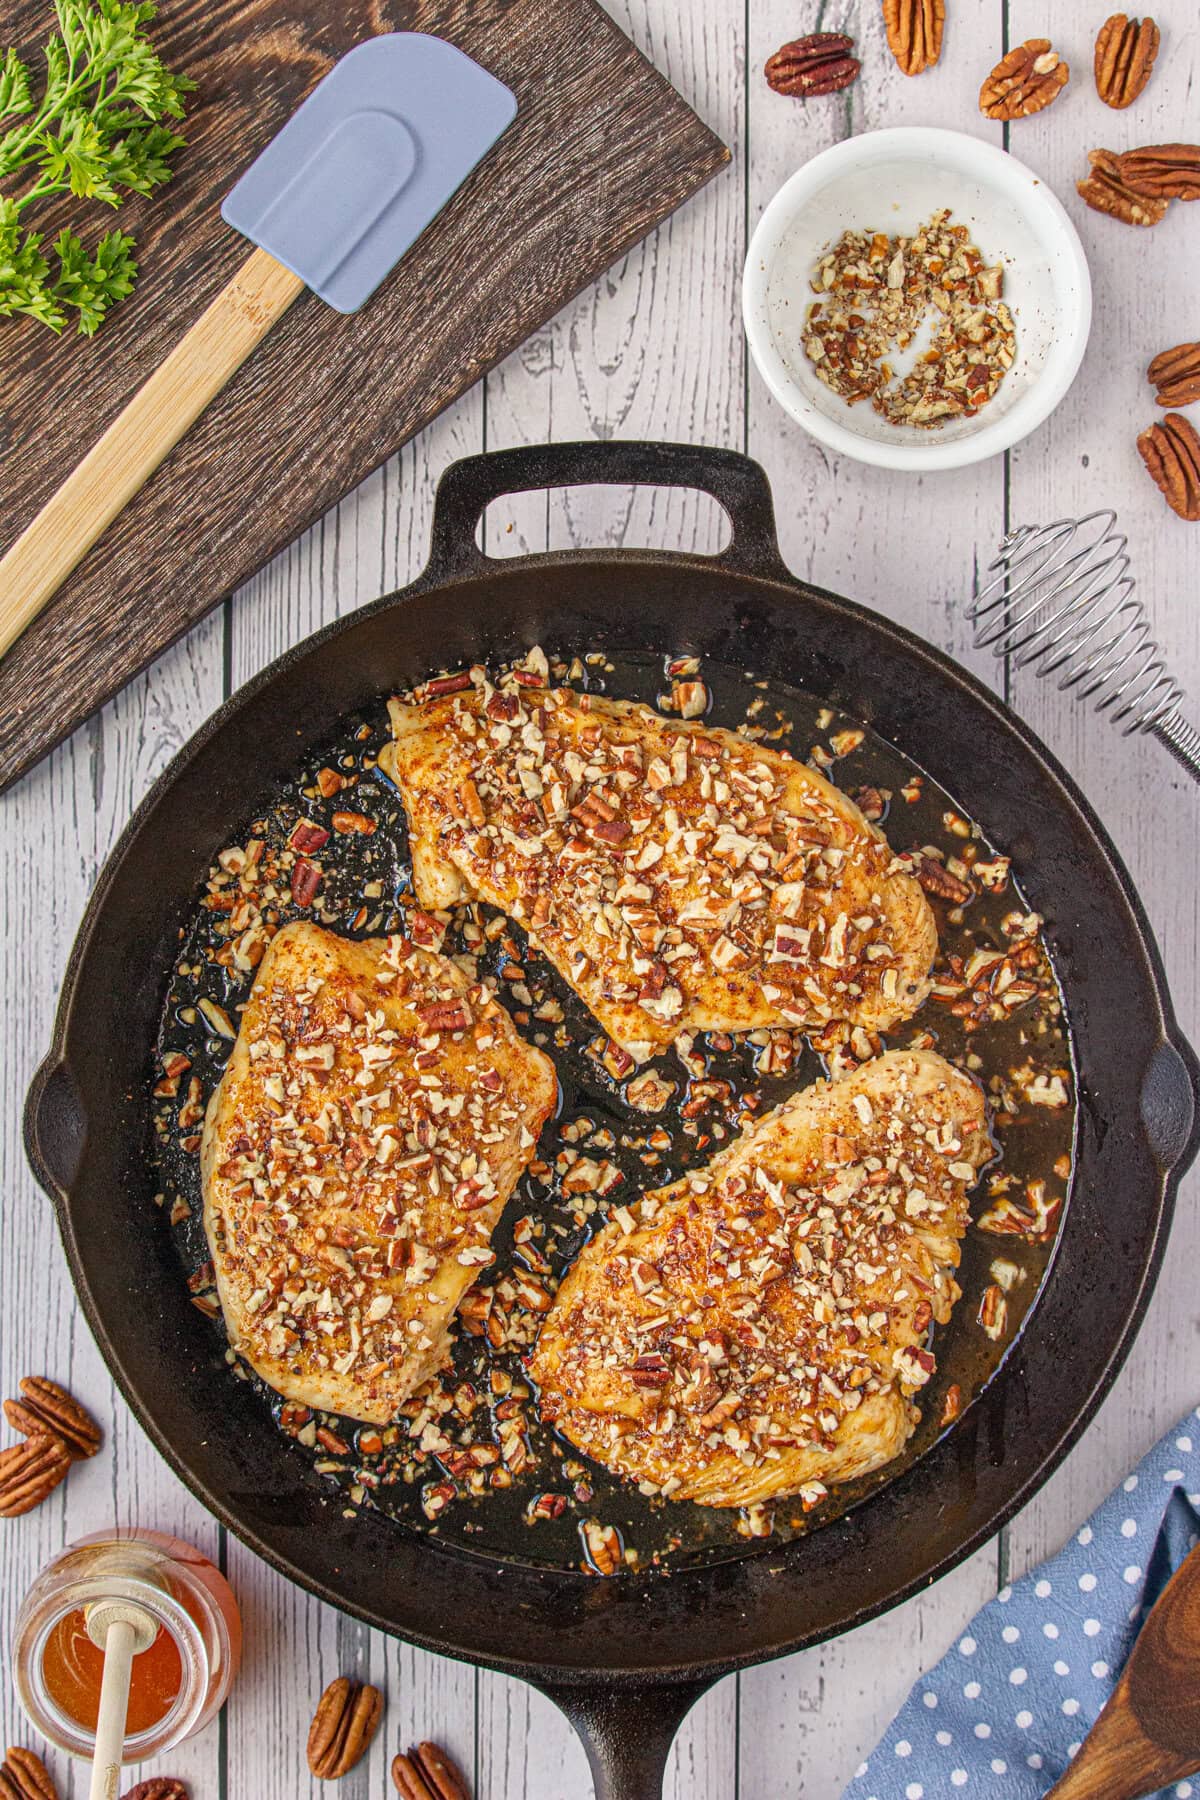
{"x": 1164, "y": 171}
{"x": 46, "y": 1407}
{"x": 158, "y": 1787}
{"x": 821, "y": 63}
{"x": 914, "y": 32}
{"x": 427, "y": 1773}
{"x": 1106, "y": 190}
{"x": 936, "y": 878}
{"x": 1024, "y": 81}
{"x": 1176, "y": 375}
{"x": 1125, "y": 53}
{"x": 29, "y": 1474}
{"x": 24, "y": 1776}
{"x": 1171, "y": 452}
{"x": 346, "y": 1719}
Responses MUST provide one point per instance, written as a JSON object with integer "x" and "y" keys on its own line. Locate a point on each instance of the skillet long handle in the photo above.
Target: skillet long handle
{"x": 628, "y": 1732}
{"x": 140, "y": 437}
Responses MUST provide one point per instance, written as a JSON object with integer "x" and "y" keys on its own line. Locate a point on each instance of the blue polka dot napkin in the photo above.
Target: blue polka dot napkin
{"x": 1009, "y": 1704}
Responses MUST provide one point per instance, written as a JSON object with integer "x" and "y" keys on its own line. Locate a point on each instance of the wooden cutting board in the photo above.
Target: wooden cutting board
{"x": 602, "y": 148}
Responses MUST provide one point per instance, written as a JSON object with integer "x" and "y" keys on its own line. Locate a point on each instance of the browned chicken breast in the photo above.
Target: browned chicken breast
{"x": 757, "y": 1329}
{"x": 373, "y": 1118}
{"x": 680, "y": 877}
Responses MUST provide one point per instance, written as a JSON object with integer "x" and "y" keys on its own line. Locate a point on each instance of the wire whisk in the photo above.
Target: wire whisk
{"x": 1061, "y": 601}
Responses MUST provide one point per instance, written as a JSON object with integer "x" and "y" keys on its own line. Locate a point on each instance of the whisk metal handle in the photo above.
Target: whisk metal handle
{"x": 1182, "y": 740}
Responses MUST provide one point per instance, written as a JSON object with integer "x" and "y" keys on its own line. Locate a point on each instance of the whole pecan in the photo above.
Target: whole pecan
{"x": 1125, "y": 53}
{"x": 818, "y": 64}
{"x": 1106, "y": 190}
{"x": 427, "y": 1773}
{"x": 914, "y": 32}
{"x": 24, "y": 1776}
{"x": 936, "y": 878}
{"x": 158, "y": 1787}
{"x": 29, "y": 1474}
{"x": 1176, "y": 375}
{"x": 1171, "y": 452}
{"x": 46, "y": 1407}
{"x": 346, "y": 1719}
{"x": 1024, "y": 81}
{"x": 1164, "y": 171}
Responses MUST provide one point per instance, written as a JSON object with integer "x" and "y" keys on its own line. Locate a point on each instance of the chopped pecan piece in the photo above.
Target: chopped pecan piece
{"x": 1125, "y": 53}
{"x": 936, "y": 878}
{"x": 821, "y": 63}
{"x": 445, "y": 1015}
{"x": 306, "y": 836}
{"x": 1171, "y": 453}
{"x": 306, "y": 880}
{"x": 914, "y": 32}
{"x": 1024, "y": 81}
{"x": 1106, "y": 190}
{"x": 353, "y": 823}
{"x": 1176, "y": 375}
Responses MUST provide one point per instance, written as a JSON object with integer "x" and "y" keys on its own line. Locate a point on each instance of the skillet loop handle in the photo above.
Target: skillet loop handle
{"x": 1170, "y": 1104}
{"x": 627, "y": 1732}
{"x": 735, "y": 482}
{"x": 54, "y": 1128}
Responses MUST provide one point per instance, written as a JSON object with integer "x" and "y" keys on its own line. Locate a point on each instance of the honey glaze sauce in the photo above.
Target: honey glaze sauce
{"x": 73, "y": 1668}
{"x": 469, "y": 1458}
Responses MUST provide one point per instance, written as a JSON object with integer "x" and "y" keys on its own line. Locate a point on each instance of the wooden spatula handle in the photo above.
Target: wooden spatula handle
{"x": 140, "y": 437}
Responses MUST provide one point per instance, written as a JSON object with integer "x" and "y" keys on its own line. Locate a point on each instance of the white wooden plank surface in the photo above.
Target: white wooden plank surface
{"x": 655, "y": 349}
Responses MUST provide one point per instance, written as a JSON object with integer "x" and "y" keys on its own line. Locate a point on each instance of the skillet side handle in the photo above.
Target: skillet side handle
{"x": 734, "y": 481}
{"x": 1170, "y": 1104}
{"x": 54, "y": 1129}
{"x": 627, "y": 1732}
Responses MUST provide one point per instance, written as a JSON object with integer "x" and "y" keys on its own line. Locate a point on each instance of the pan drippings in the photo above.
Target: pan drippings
{"x": 469, "y": 1458}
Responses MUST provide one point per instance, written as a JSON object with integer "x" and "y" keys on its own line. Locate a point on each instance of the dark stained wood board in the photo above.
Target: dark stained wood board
{"x": 601, "y": 150}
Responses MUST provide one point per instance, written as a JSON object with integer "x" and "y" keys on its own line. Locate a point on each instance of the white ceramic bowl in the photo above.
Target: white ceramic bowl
{"x": 892, "y": 181}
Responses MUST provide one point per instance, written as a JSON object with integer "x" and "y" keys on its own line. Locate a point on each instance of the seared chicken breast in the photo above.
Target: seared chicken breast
{"x": 373, "y": 1119}
{"x": 677, "y": 875}
{"x": 759, "y": 1328}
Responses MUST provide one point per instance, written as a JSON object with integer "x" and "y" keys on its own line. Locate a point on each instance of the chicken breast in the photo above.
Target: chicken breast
{"x": 372, "y": 1121}
{"x": 679, "y": 877}
{"x": 758, "y": 1328}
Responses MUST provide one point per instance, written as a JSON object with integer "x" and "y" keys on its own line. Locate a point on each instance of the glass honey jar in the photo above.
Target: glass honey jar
{"x": 178, "y": 1683}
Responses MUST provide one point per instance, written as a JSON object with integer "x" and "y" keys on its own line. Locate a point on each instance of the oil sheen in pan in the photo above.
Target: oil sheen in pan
{"x": 472, "y": 1461}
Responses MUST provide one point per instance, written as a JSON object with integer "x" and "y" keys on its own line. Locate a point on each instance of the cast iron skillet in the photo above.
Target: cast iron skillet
{"x": 625, "y": 1658}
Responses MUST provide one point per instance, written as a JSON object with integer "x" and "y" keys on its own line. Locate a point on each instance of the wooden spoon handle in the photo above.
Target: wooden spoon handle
{"x": 1118, "y": 1761}
{"x": 140, "y": 437}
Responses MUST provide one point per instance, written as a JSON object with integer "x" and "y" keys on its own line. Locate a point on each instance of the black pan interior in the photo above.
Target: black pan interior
{"x": 536, "y": 1512}
{"x": 87, "y": 1115}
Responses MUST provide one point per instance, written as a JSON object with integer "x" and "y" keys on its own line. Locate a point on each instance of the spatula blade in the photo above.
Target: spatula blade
{"x": 368, "y": 160}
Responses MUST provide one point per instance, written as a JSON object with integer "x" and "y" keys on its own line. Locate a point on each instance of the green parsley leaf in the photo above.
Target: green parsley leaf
{"x": 97, "y": 133}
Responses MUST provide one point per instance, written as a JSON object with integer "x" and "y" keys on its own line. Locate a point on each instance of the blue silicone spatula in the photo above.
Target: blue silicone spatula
{"x": 331, "y": 204}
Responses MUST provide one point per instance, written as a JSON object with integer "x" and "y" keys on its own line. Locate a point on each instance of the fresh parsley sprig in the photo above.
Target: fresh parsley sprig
{"x": 97, "y": 132}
